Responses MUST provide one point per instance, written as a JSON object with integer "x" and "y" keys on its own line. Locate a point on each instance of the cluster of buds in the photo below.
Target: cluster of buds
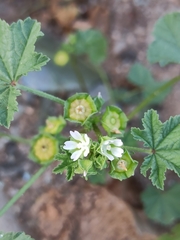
{"x": 80, "y": 154}
{"x": 45, "y": 146}
{"x": 82, "y": 149}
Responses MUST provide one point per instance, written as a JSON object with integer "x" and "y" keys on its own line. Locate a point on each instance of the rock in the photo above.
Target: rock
{"x": 78, "y": 211}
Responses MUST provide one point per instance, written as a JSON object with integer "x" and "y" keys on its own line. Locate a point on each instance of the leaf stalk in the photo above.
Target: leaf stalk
{"x": 41, "y": 94}
{"x": 23, "y": 189}
{"x": 151, "y": 97}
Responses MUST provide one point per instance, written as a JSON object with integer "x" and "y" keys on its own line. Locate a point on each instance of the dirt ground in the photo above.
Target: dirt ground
{"x": 54, "y": 209}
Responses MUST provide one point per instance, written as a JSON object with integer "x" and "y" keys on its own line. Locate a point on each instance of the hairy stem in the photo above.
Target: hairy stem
{"x": 105, "y": 80}
{"x": 23, "y": 189}
{"x": 41, "y": 94}
{"x": 78, "y": 74}
{"x": 15, "y": 138}
{"x": 149, "y": 99}
{"x": 97, "y": 130}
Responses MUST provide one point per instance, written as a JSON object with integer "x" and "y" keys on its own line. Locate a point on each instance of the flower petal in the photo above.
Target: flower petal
{"x": 109, "y": 156}
{"x": 117, "y": 152}
{"x": 86, "y": 151}
{"x": 87, "y": 139}
{"x": 117, "y": 142}
{"x": 105, "y": 153}
{"x": 76, "y": 135}
{"x": 76, "y": 155}
{"x": 70, "y": 145}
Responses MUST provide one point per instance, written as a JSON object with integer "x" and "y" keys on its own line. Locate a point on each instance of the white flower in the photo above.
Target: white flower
{"x": 112, "y": 148}
{"x": 79, "y": 145}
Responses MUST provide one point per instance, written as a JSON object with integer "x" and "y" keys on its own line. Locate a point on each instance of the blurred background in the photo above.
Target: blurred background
{"x": 94, "y": 46}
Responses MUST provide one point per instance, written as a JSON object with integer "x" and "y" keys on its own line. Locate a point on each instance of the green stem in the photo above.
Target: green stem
{"x": 15, "y": 139}
{"x": 105, "y": 80}
{"x": 152, "y": 96}
{"x": 41, "y": 94}
{"x": 127, "y": 95}
{"x": 135, "y": 149}
{"x": 78, "y": 74}
{"x": 97, "y": 130}
{"x": 23, "y": 189}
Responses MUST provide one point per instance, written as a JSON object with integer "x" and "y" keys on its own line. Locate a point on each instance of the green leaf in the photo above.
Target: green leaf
{"x": 166, "y": 47}
{"x": 17, "y": 58}
{"x": 173, "y": 235}
{"x": 17, "y": 55}
{"x": 100, "y": 162}
{"x": 162, "y": 206}
{"x": 64, "y": 165}
{"x": 70, "y": 173}
{"x": 141, "y": 77}
{"x": 85, "y": 164}
{"x": 8, "y": 104}
{"x": 163, "y": 139}
{"x": 99, "y": 178}
{"x": 89, "y": 42}
{"x": 14, "y": 236}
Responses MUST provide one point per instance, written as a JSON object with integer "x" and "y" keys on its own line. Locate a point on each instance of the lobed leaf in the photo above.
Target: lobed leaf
{"x": 141, "y": 77}
{"x": 17, "y": 58}
{"x": 166, "y": 47}
{"x": 14, "y": 236}
{"x": 163, "y": 139}
{"x": 162, "y": 206}
{"x": 8, "y": 104}
{"x": 174, "y": 234}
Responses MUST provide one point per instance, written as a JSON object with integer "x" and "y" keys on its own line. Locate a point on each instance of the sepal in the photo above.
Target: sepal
{"x": 54, "y": 125}
{"x": 114, "y": 120}
{"x": 123, "y": 168}
{"x": 79, "y": 108}
{"x": 44, "y": 148}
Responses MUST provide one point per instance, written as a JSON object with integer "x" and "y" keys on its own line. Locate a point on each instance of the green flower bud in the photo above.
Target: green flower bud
{"x": 99, "y": 101}
{"x": 79, "y": 108}
{"x": 124, "y": 167}
{"x": 44, "y": 148}
{"x": 114, "y": 120}
{"x": 54, "y": 125}
{"x": 61, "y": 58}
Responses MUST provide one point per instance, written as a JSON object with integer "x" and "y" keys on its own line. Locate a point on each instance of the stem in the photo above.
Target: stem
{"x": 152, "y": 96}
{"x": 23, "y": 189}
{"x": 41, "y": 94}
{"x": 128, "y": 95}
{"x": 78, "y": 74}
{"x": 135, "y": 149}
{"x": 15, "y": 139}
{"x": 96, "y": 130}
{"x": 105, "y": 80}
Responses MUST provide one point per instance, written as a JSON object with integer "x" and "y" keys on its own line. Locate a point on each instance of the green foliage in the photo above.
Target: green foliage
{"x": 141, "y": 77}
{"x": 164, "y": 142}
{"x": 66, "y": 164}
{"x": 17, "y": 58}
{"x": 100, "y": 178}
{"x": 173, "y": 235}
{"x": 162, "y": 206}
{"x": 166, "y": 47}
{"x": 17, "y": 55}
{"x": 14, "y": 236}
{"x": 89, "y": 42}
{"x": 8, "y": 103}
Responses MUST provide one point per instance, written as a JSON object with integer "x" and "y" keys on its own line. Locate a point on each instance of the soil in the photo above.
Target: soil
{"x": 53, "y": 208}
